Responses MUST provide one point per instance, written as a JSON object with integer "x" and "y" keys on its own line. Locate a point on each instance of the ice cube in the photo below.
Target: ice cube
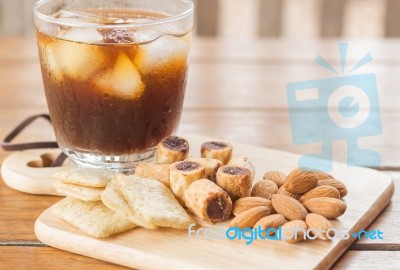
{"x": 116, "y": 36}
{"x": 85, "y": 16}
{"x": 86, "y": 35}
{"x": 66, "y": 14}
{"x": 145, "y": 35}
{"x": 51, "y": 63}
{"x": 53, "y": 67}
{"x": 165, "y": 50}
{"x": 123, "y": 80}
{"x": 75, "y": 60}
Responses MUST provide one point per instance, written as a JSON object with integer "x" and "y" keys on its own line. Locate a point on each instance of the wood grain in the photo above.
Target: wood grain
{"x": 267, "y": 128}
{"x": 21, "y": 223}
{"x": 39, "y": 258}
{"x": 235, "y": 91}
{"x": 171, "y": 249}
{"x": 272, "y": 129}
{"x": 229, "y": 83}
{"x": 357, "y": 260}
{"x": 290, "y": 50}
{"x": 273, "y": 50}
{"x": 263, "y": 85}
{"x": 214, "y": 85}
{"x": 387, "y": 222}
{"x": 40, "y": 130}
{"x": 30, "y": 171}
{"x": 18, "y": 212}
{"x": 16, "y": 18}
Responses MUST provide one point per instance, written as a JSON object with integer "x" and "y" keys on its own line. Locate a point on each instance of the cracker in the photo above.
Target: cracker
{"x": 152, "y": 203}
{"x": 115, "y": 200}
{"x": 85, "y": 177}
{"x": 93, "y": 218}
{"x": 154, "y": 171}
{"x": 81, "y": 192}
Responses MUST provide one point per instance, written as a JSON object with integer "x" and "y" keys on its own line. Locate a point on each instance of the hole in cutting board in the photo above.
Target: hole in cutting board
{"x": 45, "y": 161}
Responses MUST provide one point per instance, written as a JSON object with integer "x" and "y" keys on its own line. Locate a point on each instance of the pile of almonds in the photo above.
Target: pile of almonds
{"x": 303, "y": 199}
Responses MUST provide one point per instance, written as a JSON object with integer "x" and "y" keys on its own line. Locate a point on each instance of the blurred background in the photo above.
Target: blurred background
{"x": 260, "y": 18}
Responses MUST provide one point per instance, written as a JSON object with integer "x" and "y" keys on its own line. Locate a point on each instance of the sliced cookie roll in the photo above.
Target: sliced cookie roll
{"x": 208, "y": 201}
{"x": 172, "y": 149}
{"x": 210, "y": 165}
{"x": 243, "y": 162}
{"x": 182, "y": 174}
{"x": 218, "y": 150}
{"x": 236, "y": 181}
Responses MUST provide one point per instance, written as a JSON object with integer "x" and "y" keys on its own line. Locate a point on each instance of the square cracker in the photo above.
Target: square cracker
{"x": 85, "y": 177}
{"x": 81, "y": 192}
{"x": 152, "y": 203}
{"x": 154, "y": 171}
{"x": 115, "y": 200}
{"x": 93, "y": 218}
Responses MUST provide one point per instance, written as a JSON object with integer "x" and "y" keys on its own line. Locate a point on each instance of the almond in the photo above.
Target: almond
{"x": 294, "y": 231}
{"x": 249, "y": 218}
{"x": 288, "y": 207}
{"x": 319, "y": 223}
{"x": 330, "y": 208}
{"x": 340, "y": 186}
{"x": 322, "y": 175}
{"x": 301, "y": 181}
{"x": 268, "y": 222}
{"x": 321, "y": 191}
{"x": 282, "y": 190}
{"x": 276, "y": 176}
{"x": 247, "y": 203}
{"x": 264, "y": 189}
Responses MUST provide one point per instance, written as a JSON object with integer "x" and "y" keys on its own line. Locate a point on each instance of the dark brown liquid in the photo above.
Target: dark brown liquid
{"x": 88, "y": 118}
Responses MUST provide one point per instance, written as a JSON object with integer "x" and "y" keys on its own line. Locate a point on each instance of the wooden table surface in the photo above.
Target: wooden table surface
{"x": 236, "y": 91}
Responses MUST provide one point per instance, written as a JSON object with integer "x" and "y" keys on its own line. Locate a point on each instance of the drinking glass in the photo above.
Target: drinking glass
{"x": 114, "y": 75}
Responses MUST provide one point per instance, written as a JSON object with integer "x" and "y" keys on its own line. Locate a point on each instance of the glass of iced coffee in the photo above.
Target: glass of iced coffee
{"x": 114, "y": 75}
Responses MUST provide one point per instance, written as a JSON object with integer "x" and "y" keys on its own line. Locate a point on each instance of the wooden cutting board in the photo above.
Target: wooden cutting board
{"x": 369, "y": 192}
{"x": 29, "y": 171}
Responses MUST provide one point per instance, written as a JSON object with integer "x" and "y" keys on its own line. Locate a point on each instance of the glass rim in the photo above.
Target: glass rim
{"x": 159, "y": 21}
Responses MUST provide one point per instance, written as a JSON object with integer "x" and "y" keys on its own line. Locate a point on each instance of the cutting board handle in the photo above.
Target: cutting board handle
{"x": 30, "y": 171}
